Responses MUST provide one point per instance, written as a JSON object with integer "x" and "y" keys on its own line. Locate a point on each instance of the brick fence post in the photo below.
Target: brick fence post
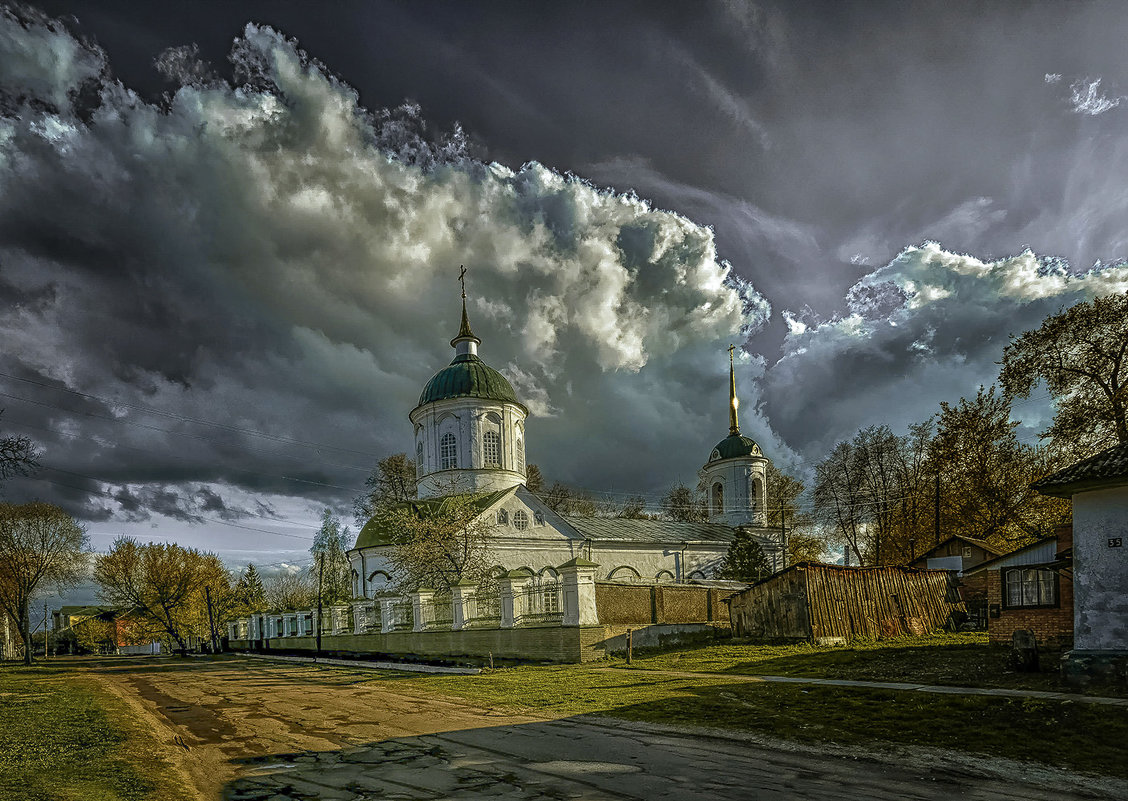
{"x": 462, "y": 600}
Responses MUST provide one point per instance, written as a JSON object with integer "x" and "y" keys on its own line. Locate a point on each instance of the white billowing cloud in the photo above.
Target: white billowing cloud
{"x": 1053, "y": 77}
{"x": 1086, "y": 98}
{"x": 279, "y": 257}
{"x": 929, "y": 326}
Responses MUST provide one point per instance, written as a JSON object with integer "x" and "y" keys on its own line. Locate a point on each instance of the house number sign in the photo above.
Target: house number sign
{"x": 1115, "y": 542}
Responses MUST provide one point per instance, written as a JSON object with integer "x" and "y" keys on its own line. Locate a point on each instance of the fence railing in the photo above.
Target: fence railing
{"x": 539, "y": 603}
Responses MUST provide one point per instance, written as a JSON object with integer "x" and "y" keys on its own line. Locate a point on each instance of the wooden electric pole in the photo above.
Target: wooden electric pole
{"x": 211, "y": 620}
{"x": 320, "y": 577}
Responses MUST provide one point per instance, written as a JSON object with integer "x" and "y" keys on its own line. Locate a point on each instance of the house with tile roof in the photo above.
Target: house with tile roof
{"x": 1098, "y": 487}
{"x": 469, "y": 441}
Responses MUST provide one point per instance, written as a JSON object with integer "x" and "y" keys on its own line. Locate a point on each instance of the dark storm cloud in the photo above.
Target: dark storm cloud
{"x": 242, "y": 290}
{"x": 279, "y": 257}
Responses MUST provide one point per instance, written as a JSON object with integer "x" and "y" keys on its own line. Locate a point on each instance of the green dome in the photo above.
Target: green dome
{"x": 734, "y": 446}
{"x": 468, "y": 377}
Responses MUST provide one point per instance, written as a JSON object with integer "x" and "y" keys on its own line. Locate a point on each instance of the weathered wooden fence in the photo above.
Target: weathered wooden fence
{"x": 817, "y": 601}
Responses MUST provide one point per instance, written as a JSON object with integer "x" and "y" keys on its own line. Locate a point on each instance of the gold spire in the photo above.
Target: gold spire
{"x": 464, "y": 331}
{"x": 734, "y": 426}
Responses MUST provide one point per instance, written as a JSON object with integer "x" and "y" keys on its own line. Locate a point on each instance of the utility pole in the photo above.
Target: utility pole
{"x": 320, "y": 578}
{"x": 937, "y": 504}
{"x": 783, "y": 538}
{"x": 211, "y": 620}
{"x": 46, "y": 643}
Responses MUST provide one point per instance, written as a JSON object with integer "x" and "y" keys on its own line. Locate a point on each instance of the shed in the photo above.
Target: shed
{"x": 816, "y": 601}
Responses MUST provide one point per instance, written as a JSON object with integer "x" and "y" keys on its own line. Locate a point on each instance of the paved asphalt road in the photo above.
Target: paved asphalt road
{"x": 577, "y": 759}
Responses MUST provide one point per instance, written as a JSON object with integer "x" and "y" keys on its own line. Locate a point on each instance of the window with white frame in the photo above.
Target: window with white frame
{"x": 491, "y": 449}
{"x": 1029, "y": 586}
{"x": 519, "y": 447}
{"x": 520, "y": 520}
{"x": 419, "y": 458}
{"x": 448, "y": 451}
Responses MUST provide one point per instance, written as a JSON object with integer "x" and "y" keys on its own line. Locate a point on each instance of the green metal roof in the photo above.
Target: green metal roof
{"x": 734, "y": 446}
{"x": 624, "y": 529}
{"x": 468, "y": 377}
{"x": 378, "y": 531}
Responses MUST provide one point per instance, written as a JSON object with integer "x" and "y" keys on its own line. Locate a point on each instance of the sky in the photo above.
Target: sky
{"x": 230, "y": 234}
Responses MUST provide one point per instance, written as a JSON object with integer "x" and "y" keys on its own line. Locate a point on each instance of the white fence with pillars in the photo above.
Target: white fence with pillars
{"x": 520, "y": 600}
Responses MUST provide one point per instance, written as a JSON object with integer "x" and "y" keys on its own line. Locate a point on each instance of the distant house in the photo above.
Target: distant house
{"x": 1098, "y": 487}
{"x": 960, "y": 554}
{"x": 820, "y": 602}
{"x": 100, "y": 629}
{"x": 1031, "y": 589}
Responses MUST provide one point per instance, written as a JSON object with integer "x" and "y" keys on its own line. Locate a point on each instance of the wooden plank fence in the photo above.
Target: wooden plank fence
{"x": 815, "y": 601}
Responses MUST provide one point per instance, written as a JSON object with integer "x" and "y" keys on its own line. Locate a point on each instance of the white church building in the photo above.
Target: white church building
{"x": 470, "y": 437}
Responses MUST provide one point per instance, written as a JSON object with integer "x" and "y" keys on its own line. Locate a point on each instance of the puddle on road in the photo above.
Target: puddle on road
{"x": 571, "y": 767}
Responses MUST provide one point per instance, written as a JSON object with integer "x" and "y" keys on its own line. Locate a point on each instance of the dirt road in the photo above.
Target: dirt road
{"x": 245, "y": 730}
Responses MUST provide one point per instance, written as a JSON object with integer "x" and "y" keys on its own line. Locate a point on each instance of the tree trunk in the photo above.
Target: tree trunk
{"x": 25, "y": 630}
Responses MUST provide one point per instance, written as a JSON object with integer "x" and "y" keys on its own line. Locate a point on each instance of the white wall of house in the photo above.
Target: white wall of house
{"x": 1100, "y": 571}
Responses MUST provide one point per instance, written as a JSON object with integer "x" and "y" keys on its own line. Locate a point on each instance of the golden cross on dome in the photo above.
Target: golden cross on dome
{"x": 462, "y": 279}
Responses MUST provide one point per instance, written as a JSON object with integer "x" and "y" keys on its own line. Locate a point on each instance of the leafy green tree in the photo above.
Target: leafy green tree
{"x": 986, "y": 474}
{"x": 804, "y": 541}
{"x": 1081, "y": 353}
{"x": 167, "y": 587}
{"x": 437, "y": 543}
{"x": 331, "y": 570}
{"x": 745, "y": 560}
{"x": 40, "y": 546}
{"x": 250, "y": 595}
{"x": 534, "y": 481}
{"x": 393, "y": 481}
{"x": 683, "y": 505}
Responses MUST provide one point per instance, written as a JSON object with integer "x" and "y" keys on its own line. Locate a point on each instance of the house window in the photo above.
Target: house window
{"x": 520, "y": 520}
{"x": 491, "y": 449}
{"x": 448, "y": 452}
{"x": 1030, "y": 586}
{"x": 502, "y": 517}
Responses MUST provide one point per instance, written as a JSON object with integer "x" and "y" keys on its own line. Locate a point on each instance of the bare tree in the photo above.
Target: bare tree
{"x": 18, "y": 456}
{"x": 40, "y": 546}
{"x": 392, "y": 482}
{"x": 290, "y": 591}
{"x": 438, "y": 542}
{"x": 684, "y": 505}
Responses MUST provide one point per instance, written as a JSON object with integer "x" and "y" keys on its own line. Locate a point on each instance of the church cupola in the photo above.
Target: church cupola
{"x": 469, "y": 424}
{"x": 735, "y": 476}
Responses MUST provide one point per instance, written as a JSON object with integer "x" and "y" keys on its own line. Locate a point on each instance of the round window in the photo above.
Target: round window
{"x": 520, "y": 520}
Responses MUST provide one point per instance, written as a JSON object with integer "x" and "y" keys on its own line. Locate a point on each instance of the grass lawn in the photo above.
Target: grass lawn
{"x": 962, "y": 660}
{"x": 64, "y": 739}
{"x": 1064, "y": 734}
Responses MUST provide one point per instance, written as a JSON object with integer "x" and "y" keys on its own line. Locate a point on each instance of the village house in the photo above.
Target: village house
{"x": 1030, "y": 589}
{"x": 1098, "y": 487}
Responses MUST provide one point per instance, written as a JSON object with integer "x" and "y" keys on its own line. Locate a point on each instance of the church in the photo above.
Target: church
{"x": 469, "y": 438}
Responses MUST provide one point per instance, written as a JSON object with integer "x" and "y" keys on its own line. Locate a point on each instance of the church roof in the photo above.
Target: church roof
{"x": 378, "y": 531}
{"x": 468, "y": 377}
{"x": 1108, "y": 468}
{"x": 622, "y": 529}
{"x": 734, "y": 446}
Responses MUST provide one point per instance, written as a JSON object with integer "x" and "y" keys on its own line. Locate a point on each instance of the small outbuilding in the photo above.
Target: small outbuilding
{"x": 825, "y": 603}
{"x": 960, "y": 554}
{"x": 1098, "y": 487}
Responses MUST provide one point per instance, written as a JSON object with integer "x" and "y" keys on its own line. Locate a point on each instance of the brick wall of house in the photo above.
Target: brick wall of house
{"x": 1053, "y": 627}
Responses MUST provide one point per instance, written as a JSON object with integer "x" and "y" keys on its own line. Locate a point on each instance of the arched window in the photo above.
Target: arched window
{"x": 718, "y": 499}
{"x": 448, "y": 451}
{"x": 664, "y": 575}
{"x": 419, "y": 459}
{"x": 502, "y": 517}
{"x": 519, "y": 447}
{"x": 520, "y": 520}
{"x": 624, "y": 573}
{"x": 491, "y": 449}
{"x": 539, "y": 517}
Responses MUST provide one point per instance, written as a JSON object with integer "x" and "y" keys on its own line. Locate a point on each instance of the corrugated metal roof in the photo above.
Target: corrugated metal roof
{"x": 1107, "y": 468}
{"x": 1036, "y": 553}
{"x": 622, "y": 529}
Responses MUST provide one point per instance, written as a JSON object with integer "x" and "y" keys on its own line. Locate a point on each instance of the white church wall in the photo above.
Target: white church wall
{"x": 468, "y": 420}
